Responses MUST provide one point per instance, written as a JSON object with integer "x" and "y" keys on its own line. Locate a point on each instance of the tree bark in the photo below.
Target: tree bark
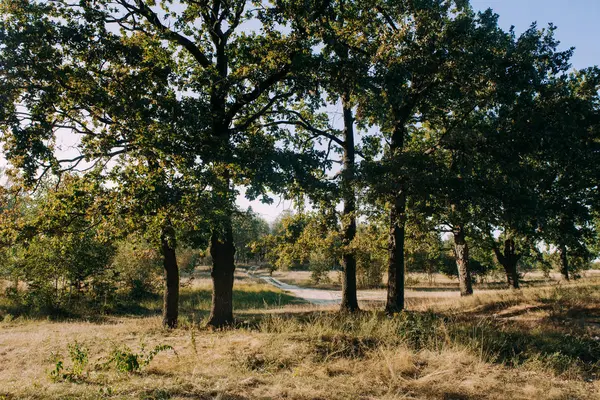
{"x": 395, "y": 287}
{"x": 171, "y": 293}
{"x": 222, "y": 251}
{"x": 349, "y": 297}
{"x": 509, "y": 261}
{"x": 564, "y": 261}
{"x": 222, "y": 247}
{"x": 461, "y": 251}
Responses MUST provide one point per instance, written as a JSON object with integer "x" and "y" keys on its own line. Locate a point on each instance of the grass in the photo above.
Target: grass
{"x": 422, "y": 282}
{"x": 529, "y": 344}
{"x": 194, "y": 302}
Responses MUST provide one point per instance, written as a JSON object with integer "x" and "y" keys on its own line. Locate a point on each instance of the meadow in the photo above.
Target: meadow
{"x": 539, "y": 342}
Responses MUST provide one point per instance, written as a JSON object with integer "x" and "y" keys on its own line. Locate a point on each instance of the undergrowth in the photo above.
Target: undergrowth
{"x": 562, "y": 349}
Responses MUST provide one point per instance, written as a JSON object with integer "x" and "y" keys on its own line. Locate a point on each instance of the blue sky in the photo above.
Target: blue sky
{"x": 578, "y": 23}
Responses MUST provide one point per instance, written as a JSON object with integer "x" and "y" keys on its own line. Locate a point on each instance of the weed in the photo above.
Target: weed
{"x": 79, "y": 360}
{"x": 124, "y": 360}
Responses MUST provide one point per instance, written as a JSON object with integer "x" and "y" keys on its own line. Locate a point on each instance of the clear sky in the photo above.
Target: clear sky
{"x": 578, "y": 23}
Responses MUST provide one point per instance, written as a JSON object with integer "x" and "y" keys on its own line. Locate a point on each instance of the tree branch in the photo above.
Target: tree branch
{"x": 152, "y": 18}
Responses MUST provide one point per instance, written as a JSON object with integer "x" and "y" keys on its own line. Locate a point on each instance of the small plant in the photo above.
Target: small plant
{"x": 106, "y": 391}
{"x": 56, "y": 374}
{"x": 125, "y": 360}
{"x": 79, "y": 360}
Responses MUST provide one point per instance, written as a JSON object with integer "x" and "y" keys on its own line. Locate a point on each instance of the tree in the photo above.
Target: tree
{"x": 166, "y": 206}
{"x": 526, "y": 130}
{"x": 115, "y": 93}
{"x": 479, "y": 182}
{"x": 429, "y": 56}
{"x": 213, "y": 81}
{"x": 568, "y": 189}
{"x": 248, "y": 228}
{"x": 58, "y": 242}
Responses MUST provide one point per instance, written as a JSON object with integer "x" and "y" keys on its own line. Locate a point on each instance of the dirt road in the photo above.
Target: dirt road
{"x": 324, "y": 297}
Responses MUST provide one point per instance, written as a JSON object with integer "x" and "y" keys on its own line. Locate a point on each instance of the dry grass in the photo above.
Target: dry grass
{"x": 531, "y": 344}
{"x": 437, "y": 281}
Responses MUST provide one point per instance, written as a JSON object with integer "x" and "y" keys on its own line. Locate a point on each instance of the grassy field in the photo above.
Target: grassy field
{"x": 435, "y": 281}
{"x": 538, "y": 343}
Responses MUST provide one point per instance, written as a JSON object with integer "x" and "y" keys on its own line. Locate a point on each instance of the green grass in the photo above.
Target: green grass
{"x": 194, "y": 303}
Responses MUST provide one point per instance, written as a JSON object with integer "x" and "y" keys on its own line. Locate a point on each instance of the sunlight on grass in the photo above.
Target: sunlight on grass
{"x": 534, "y": 343}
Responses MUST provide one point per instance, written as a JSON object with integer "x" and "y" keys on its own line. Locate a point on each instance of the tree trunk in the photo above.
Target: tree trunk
{"x": 564, "y": 261}
{"x": 395, "y": 289}
{"x": 461, "y": 251}
{"x": 349, "y": 298}
{"x": 171, "y": 294}
{"x": 509, "y": 261}
{"x": 515, "y": 274}
{"x": 222, "y": 251}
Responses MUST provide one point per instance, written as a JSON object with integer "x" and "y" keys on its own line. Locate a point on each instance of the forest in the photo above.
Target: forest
{"x": 443, "y": 238}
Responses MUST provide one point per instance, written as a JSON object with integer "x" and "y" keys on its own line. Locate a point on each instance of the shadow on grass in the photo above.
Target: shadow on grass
{"x": 192, "y": 301}
{"x": 566, "y": 352}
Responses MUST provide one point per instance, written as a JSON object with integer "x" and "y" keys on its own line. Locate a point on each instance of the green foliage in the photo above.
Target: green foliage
{"x": 474, "y": 129}
{"x": 281, "y": 248}
{"x": 138, "y": 265}
{"x": 306, "y": 240}
{"x": 370, "y": 249}
{"x": 248, "y": 229}
{"x": 75, "y": 372}
{"x": 124, "y": 360}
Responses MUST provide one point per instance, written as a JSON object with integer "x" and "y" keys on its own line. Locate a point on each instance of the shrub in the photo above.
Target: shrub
{"x": 138, "y": 265}
{"x": 79, "y": 360}
{"x": 124, "y": 360}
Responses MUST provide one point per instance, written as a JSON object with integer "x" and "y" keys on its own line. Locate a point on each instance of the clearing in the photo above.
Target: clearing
{"x": 541, "y": 342}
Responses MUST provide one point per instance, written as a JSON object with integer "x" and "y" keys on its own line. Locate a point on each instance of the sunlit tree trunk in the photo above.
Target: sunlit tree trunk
{"x": 461, "y": 251}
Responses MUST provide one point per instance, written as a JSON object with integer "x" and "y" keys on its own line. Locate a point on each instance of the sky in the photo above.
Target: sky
{"x": 578, "y": 23}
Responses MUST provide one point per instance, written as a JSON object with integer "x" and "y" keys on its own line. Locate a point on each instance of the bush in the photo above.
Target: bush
{"x": 61, "y": 272}
{"x": 138, "y": 266}
{"x": 369, "y": 247}
{"x": 188, "y": 259}
{"x": 79, "y": 360}
{"x": 124, "y": 360}
{"x": 320, "y": 265}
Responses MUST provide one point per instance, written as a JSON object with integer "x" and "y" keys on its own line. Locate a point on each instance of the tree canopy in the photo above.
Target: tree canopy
{"x": 139, "y": 117}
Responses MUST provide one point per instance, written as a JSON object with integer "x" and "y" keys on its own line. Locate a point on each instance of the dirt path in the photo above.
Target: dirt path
{"x": 314, "y": 296}
{"x": 324, "y": 296}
